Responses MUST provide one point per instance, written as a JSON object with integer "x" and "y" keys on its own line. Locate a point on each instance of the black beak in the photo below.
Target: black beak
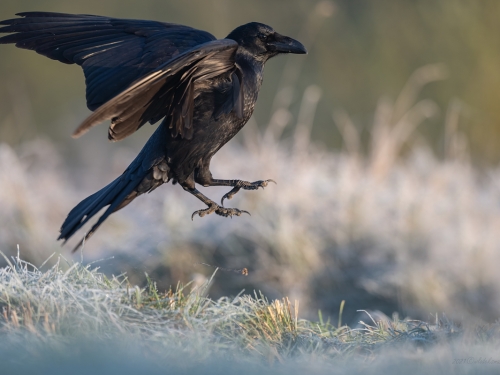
{"x": 284, "y": 44}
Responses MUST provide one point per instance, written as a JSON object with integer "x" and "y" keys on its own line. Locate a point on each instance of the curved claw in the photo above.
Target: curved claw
{"x": 195, "y": 213}
{"x": 229, "y": 195}
{"x": 231, "y": 212}
{"x": 266, "y": 182}
{"x": 206, "y": 211}
{"x": 221, "y": 211}
{"x": 226, "y": 196}
{"x": 246, "y": 186}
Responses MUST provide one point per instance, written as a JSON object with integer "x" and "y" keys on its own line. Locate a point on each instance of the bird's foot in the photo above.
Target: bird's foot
{"x": 245, "y": 185}
{"x": 219, "y": 210}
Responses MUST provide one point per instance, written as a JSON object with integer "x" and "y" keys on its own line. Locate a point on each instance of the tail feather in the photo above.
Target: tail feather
{"x": 79, "y": 215}
{"x": 148, "y": 171}
{"x": 113, "y": 195}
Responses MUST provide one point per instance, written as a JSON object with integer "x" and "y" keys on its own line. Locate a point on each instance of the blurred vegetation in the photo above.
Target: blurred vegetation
{"x": 358, "y": 52}
{"x": 79, "y": 321}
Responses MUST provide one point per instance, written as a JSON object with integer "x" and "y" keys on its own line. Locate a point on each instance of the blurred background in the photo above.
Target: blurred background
{"x": 383, "y": 140}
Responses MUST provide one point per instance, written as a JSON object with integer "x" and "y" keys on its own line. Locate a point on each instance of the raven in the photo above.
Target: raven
{"x": 204, "y": 90}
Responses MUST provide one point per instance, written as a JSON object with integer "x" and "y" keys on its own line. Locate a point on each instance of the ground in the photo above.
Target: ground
{"x": 72, "y": 318}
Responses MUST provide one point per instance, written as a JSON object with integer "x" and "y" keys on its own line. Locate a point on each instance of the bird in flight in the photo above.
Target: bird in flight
{"x": 202, "y": 89}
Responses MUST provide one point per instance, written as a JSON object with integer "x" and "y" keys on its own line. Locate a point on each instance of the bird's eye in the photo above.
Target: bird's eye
{"x": 262, "y": 37}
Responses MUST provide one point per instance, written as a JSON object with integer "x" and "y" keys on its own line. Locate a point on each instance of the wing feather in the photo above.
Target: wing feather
{"x": 135, "y": 71}
{"x": 168, "y": 91}
{"x": 112, "y": 52}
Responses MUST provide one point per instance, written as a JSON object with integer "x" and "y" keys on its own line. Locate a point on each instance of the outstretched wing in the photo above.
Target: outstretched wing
{"x": 112, "y": 52}
{"x": 170, "y": 91}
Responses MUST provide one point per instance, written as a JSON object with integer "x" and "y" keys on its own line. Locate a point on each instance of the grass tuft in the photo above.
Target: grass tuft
{"x": 57, "y": 306}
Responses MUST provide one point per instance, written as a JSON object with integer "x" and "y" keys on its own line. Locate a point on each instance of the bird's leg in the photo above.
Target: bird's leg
{"x": 189, "y": 186}
{"x": 203, "y": 176}
{"x": 213, "y": 207}
{"x": 238, "y": 185}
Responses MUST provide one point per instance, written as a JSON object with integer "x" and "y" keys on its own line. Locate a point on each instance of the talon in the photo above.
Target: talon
{"x": 222, "y": 200}
{"x": 230, "y": 212}
{"x": 206, "y": 211}
{"x": 246, "y": 186}
{"x": 200, "y": 213}
{"x": 229, "y": 195}
{"x": 219, "y": 210}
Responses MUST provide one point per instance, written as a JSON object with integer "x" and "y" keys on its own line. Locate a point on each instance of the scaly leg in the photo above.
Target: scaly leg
{"x": 212, "y": 206}
{"x": 238, "y": 185}
{"x": 203, "y": 176}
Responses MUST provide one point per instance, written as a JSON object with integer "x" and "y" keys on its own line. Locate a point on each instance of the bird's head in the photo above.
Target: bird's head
{"x": 263, "y": 42}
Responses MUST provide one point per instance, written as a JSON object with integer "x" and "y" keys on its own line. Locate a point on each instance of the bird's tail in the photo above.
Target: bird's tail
{"x": 148, "y": 171}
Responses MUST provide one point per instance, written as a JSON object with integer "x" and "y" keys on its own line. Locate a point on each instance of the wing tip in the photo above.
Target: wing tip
{"x": 78, "y": 133}
{"x": 85, "y": 126}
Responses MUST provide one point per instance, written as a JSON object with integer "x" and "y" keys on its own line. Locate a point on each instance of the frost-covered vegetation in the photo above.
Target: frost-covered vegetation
{"x": 79, "y": 320}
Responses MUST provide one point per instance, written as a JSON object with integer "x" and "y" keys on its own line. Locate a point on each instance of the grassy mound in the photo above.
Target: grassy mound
{"x": 71, "y": 317}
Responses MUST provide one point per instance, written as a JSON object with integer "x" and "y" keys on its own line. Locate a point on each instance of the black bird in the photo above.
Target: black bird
{"x": 136, "y": 72}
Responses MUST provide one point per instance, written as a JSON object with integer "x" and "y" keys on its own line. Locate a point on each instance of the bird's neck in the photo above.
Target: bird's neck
{"x": 252, "y": 69}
